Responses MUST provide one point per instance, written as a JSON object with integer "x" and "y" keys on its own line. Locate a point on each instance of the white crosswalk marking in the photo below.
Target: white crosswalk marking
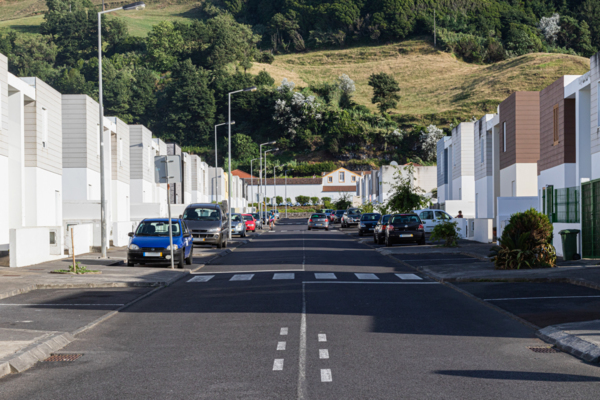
{"x": 326, "y": 375}
{"x": 323, "y": 354}
{"x": 280, "y": 345}
{"x": 278, "y": 364}
{"x": 201, "y": 278}
{"x": 286, "y": 275}
{"x": 283, "y": 331}
{"x": 409, "y": 276}
{"x": 242, "y": 277}
{"x": 366, "y": 276}
{"x": 322, "y": 337}
{"x": 325, "y": 275}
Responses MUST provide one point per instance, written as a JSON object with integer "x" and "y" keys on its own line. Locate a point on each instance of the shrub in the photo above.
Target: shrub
{"x": 446, "y": 231}
{"x": 266, "y": 58}
{"x": 526, "y": 242}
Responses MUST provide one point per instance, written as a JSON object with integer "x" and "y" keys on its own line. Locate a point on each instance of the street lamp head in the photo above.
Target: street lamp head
{"x": 138, "y": 5}
{"x": 232, "y": 122}
{"x": 277, "y": 149}
{"x": 250, "y": 89}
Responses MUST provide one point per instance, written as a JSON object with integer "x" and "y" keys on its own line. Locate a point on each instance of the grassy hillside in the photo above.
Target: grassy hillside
{"x": 26, "y": 15}
{"x": 435, "y": 85}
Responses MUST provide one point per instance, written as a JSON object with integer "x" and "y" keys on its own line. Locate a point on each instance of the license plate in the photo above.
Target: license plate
{"x": 370, "y": 229}
{"x": 152, "y": 254}
{"x": 320, "y": 224}
{"x": 406, "y": 235}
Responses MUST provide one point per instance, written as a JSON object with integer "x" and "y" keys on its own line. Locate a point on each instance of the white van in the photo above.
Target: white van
{"x": 431, "y": 218}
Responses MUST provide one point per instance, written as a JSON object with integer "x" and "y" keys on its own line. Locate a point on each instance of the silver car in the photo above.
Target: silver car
{"x": 238, "y": 226}
{"x": 318, "y": 221}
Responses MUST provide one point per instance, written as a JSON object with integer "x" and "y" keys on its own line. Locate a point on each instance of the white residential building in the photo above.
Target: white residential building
{"x": 142, "y": 150}
{"x": 120, "y": 183}
{"x": 186, "y": 169}
{"x": 199, "y": 180}
{"x": 484, "y": 164}
{"x": 160, "y": 189}
{"x": 216, "y": 185}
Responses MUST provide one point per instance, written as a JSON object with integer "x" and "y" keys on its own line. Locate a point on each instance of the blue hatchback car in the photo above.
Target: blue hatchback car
{"x": 149, "y": 244}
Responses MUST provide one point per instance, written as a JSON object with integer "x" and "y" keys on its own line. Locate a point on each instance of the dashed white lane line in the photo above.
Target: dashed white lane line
{"x": 322, "y": 337}
{"x": 242, "y": 277}
{"x": 367, "y": 276}
{"x": 540, "y": 298}
{"x": 325, "y": 275}
{"x": 409, "y": 276}
{"x": 278, "y": 364}
{"x": 201, "y": 278}
{"x": 284, "y": 276}
{"x": 283, "y": 331}
{"x": 326, "y": 375}
{"x": 280, "y": 345}
{"x": 323, "y": 354}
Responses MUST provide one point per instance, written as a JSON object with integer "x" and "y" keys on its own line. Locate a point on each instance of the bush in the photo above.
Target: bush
{"x": 526, "y": 242}
{"x": 266, "y": 58}
{"x": 446, "y": 231}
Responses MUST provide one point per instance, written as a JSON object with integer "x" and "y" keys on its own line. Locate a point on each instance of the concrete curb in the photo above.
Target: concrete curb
{"x": 570, "y": 343}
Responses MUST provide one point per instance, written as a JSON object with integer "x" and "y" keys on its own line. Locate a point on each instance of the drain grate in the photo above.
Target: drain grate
{"x": 62, "y": 357}
{"x": 543, "y": 349}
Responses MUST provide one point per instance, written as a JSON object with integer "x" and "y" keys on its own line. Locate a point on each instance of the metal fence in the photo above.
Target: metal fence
{"x": 561, "y": 205}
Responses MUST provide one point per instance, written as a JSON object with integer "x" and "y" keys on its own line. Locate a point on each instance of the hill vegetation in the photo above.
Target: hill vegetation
{"x": 170, "y": 67}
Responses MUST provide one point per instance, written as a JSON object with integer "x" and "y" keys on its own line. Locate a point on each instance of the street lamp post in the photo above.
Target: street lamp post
{"x": 286, "y": 202}
{"x": 260, "y": 177}
{"x": 217, "y": 162}
{"x": 252, "y": 181}
{"x": 266, "y": 151}
{"x": 129, "y": 7}
{"x": 275, "y": 184}
{"x": 250, "y": 89}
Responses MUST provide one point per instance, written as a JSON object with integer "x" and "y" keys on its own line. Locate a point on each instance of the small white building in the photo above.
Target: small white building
{"x": 341, "y": 182}
{"x": 160, "y": 189}
{"x": 484, "y": 166}
{"x": 186, "y": 169}
{"x": 199, "y": 180}
{"x": 217, "y": 190}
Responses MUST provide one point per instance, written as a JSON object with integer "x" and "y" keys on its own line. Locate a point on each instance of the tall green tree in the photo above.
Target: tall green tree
{"x": 385, "y": 91}
{"x": 243, "y": 147}
{"x": 187, "y": 106}
{"x": 164, "y": 43}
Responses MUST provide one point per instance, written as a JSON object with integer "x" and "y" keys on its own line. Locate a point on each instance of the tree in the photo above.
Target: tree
{"x": 302, "y": 199}
{"x": 385, "y": 91}
{"x": 549, "y": 26}
{"x": 33, "y": 56}
{"x": 589, "y": 12}
{"x": 288, "y": 200}
{"x": 279, "y": 199}
{"x": 264, "y": 79}
{"x": 314, "y": 200}
{"x": 243, "y": 147}
{"x": 188, "y": 106}
{"x": 164, "y": 43}
{"x": 405, "y": 196}
{"x": 429, "y": 138}
{"x": 343, "y": 202}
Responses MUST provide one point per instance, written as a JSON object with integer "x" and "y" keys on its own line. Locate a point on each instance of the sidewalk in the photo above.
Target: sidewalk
{"x": 35, "y": 323}
{"x": 470, "y": 263}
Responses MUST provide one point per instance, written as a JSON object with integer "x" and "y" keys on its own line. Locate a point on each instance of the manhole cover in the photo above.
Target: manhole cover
{"x": 543, "y": 349}
{"x": 63, "y": 357}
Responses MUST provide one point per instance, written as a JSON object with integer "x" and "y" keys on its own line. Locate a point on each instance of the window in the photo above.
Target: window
{"x": 329, "y": 179}
{"x": 353, "y": 178}
{"x": 426, "y": 215}
{"x": 157, "y": 228}
{"x": 44, "y": 128}
{"x": 342, "y": 178}
{"x": 504, "y": 137}
{"x": 555, "y": 124}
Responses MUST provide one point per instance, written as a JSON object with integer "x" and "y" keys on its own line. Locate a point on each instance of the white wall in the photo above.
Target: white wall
{"x": 484, "y": 230}
{"x": 595, "y": 166}
{"x": 120, "y": 201}
{"x": 142, "y": 191}
{"x": 120, "y": 231}
{"x": 335, "y": 178}
{"x": 83, "y": 238}
{"x": 4, "y": 207}
{"x": 43, "y": 197}
{"x": 484, "y": 197}
{"x": 292, "y": 190}
{"x": 525, "y": 178}
{"x": 463, "y": 188}
{"x": 140, "y": 211}
{"x": 80, "y": 184}
{"x": 452, "y": 207}
{"x": 22, "y": 253}
{"x": 507, "y": 206}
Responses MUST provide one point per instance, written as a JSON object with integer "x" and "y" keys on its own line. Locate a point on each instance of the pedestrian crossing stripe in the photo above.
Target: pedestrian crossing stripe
{"x": 201, "y": 278}
{"x": 319, "y": 276}
{"x": 409, "y": 276}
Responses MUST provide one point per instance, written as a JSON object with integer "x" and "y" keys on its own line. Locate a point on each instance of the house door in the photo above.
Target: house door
{"x": 590, "y": 219}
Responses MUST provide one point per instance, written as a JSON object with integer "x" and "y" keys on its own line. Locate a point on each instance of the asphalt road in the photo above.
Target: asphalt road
{"x": 307, "y": 315}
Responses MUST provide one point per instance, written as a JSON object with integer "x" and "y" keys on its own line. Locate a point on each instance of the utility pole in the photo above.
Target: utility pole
{"x": 434, "y": 30}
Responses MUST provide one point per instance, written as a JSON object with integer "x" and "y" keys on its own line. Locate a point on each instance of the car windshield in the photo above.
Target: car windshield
{"x": 156, "y": 228}
{"x": 339, "y": 212}
{"x": 201, "y": 214}
{"x": 370, "y": 217}
{"x": 236, "y": 217}
{"x": 354, "y": 215}
{"x": 386, "y": 218}
{"x": 256, "y": 215}
{"x": 405, "y": 219}
{"x": 248, "y": 218}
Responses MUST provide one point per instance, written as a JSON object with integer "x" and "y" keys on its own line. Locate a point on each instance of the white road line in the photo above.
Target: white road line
{"x": 374, "y": 283}
{"x": 322, "y": 337}
{"x": 302, "y": 350}
{"x": 278, "y": 364}
{"x": 326, "y": 375}
{"x": 325, "y": 275}
{"x": 283, "y": 331}
{"x": 242, "y": 277}
{"x": 239, "y": 272}
{"x": 65, "y": 304}
{"x": 541, "y": 298}
{"x": 409, "y": 276}
{"x": 367, "y": 276}
{"x": 201, "y": 278}
{"x": 442, "y": 259}
{"x": 284, "y": 276}
{"x": 323, "y": 354}
{"x": 280, "y": 345}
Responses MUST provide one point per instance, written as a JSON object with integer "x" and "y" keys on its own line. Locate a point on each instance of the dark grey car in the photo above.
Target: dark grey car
{"x": 209, "y": 225}
{"x": 318, "y": 221}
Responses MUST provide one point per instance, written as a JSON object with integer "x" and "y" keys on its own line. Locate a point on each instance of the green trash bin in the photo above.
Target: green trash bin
{"x": 569, "y": 243}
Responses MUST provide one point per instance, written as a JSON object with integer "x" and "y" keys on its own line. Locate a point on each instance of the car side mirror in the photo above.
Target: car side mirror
{"x": 130, "y": 234}
{"x": 187, "y": 234}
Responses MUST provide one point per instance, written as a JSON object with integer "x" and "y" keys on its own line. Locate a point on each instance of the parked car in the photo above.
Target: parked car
{"x": 403, "y": 228}
{"x": 431, "y": 218}
{"x": 238, "y": 225}
{"x": 338, "y": 216}
{"x": 318, "y": 221}
{"x": 209, "y": 225}
{"x": 150, "y": 243}
{"x": 250, "y": 222}
{"x": 380, "y": 228}
{"x": 367, "y": 223}
{"x": 350, "y": 219}
{"x": 258, "y": 221}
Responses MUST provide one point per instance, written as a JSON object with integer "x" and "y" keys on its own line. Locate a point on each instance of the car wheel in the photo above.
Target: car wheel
{"x": 326, "y": 229}
{"x": 129, "y": 264}
{"x": 220, "y": 244}
{"x": 309, "y": 229}
{"x": 188, "y": 260}
{"x": 387, "y": 242}
{"x": 375, "y": 241}
{"x": 181, "y": 259}
{"x": 421, "y": 242}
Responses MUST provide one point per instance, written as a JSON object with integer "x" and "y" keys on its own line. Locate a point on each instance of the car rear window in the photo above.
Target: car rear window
{"x": 318, "y": 216}
{"x": 201, "y": 214}
{"x": 386, "y": 218}
{"x": 156, "y": 228}
{"x": 248, "y": 218}
{"x": 406, "y": 219}
{"x": 370, "y": 217}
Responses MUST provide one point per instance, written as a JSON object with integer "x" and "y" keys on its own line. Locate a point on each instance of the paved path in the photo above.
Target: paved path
{"x": 307, "y": 315}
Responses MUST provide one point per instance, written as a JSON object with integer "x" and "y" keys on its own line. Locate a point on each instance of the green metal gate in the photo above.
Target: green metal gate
{"x": 590, "y": 219}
